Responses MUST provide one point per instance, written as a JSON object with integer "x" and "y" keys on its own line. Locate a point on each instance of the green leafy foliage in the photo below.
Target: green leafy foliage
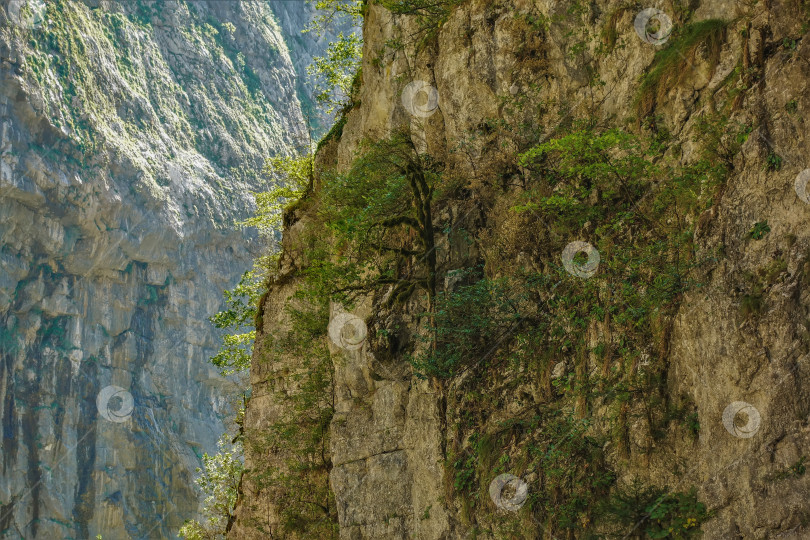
{"x": 773, "y": 162}
{"x": 239, "y": 313}
{"x": 381, "y": 216}
{"x": 574, "y": 475}
{"x": 759, "y": 230}
{"x": 294, "y": 177}
{"x": 468, "y": 325}
{"x": 675, "y": 515}
{"x": 331, "y": 12}
{"x": 655, "y": 512}
{"x": 219, "y": 482}
{"x": 571, "y": 477}
{"x": 429, "y": 16}
{"x": 334, "y": 72}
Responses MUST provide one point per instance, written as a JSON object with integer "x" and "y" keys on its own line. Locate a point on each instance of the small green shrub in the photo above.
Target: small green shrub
{"x": 655, "y": 512}
{"x": 468, "y": 324}
{"x": 292, "y": 177}
{"x": 796, "y": 470}
{"x": 675, "y": 515}
{"x": 773, "y": 162}
{"x": 759, "y": 230}
{"x": 430, "y": 15}
{"x": 333, "y": 72}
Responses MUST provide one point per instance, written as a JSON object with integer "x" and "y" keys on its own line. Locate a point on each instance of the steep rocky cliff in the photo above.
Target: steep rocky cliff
{"x": 131, "y": 134}
{"x": 657, "y": 388}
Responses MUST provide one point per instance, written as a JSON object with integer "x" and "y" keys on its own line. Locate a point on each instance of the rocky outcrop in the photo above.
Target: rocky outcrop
{"x": 131, "y": 134}
{"x": 738, "y": 345}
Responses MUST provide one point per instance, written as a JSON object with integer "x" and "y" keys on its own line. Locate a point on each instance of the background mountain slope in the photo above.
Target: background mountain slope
{"x": 130, "y": 136}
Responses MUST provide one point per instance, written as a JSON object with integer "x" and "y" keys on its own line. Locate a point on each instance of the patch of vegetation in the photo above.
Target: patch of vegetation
{"x": 571, "y": 475}
{"x": 773, "y": 162}
{"x": 380, "y": 214}
{"x": 610, "y": 31}
{"x": 239, "y": 314}
{"x": 655, "y": 512}
{"x": 296, "y": 470}
{"x": 468, "y": 325}
{"x": 796, "y": 470}
{"x": 759, "y": 230}
{"x": 672, "y": 64}
{"x": 337, "y": 129}
{"x": 429, "y": 15}
{"x": 584, "y": 177}
{"x": 335, "y": 132}
{"x": 219, "y": 482}
{"x": 334, "y": 72}
{"x": 292, "y": 178}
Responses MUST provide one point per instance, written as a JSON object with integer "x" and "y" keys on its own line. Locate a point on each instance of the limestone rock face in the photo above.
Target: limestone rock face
{"x": 131, "y": 134}
{"x": 388, "y": 436}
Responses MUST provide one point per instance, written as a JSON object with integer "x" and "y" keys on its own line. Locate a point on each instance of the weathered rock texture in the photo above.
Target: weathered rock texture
{"x": 388, "y": 436}
{"x": 130, "y": 136}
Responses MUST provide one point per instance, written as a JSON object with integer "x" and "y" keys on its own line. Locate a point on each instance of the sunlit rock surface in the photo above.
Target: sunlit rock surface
{"x": 130, "y": 137}
{"x": 494, "y": 62}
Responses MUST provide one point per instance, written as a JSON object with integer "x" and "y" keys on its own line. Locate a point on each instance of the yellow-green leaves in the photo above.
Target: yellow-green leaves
{"x": 294, "y": 177}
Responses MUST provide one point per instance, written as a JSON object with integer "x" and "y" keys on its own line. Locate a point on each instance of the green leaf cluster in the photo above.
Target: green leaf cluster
{"x": 219, "y": 482}
{"x": 334, "y": 71}
{"x": 293, "y": 177}
{"x": 240, "y": 311}
{"x": 655, "y": 512}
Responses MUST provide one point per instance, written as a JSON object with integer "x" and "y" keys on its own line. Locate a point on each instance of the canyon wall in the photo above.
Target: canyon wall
{"x": 734, "y": 349}
{"x": 131, "y": 135}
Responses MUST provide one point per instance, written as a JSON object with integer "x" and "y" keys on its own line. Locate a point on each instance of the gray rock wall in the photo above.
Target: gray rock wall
{"x": 130, "y": 137}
